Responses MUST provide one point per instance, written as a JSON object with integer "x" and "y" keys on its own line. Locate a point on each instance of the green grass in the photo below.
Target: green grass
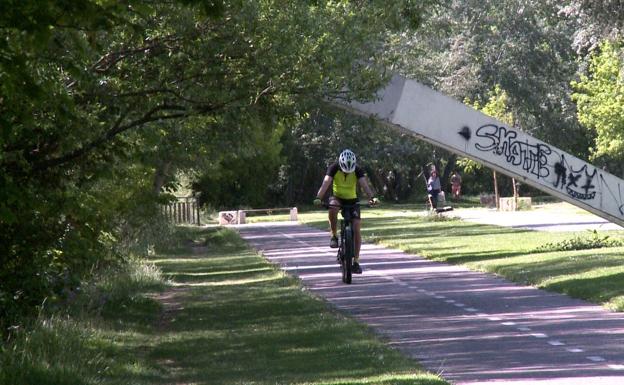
{"x": 596, "y": 275}
{"x": 267, "y": 218}
{"x": 92, "y": 338}
{"x": 218, "y": 314}
{"x": 214, "y": 312}
{"x": 239, "y": 320}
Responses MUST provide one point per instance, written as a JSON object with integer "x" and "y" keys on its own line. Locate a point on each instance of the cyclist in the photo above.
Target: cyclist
{"x": 344, "y": 176}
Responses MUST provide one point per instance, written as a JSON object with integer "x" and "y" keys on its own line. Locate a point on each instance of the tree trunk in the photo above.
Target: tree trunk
{"x": 160, "y": 176}
{"x": 450, "y": 166}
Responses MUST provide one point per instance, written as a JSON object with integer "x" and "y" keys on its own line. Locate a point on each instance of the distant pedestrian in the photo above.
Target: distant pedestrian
{"x": 433, "y": 189}
{"x": 455, "y": 184}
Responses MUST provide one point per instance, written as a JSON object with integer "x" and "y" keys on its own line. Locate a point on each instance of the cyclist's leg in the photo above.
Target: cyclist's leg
{"x": 333, "y": 217}
{"x": 357, "y": 237}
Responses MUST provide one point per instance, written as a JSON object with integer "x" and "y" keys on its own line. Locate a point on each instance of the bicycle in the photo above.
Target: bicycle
{"x": 346, "y": 245}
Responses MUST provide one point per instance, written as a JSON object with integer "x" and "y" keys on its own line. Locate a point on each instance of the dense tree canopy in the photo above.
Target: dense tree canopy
{"x": 600, "y": 100}
{"x": 524, "y": 47}
{"x": 594, "y": 21}
{"x": 103, "y": 104}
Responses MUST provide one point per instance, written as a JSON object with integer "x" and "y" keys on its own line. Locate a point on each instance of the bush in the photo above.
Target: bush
{"x": 595, "y": 241}
{"x": 59, "y": 349}
{"x": 51, "y": 351}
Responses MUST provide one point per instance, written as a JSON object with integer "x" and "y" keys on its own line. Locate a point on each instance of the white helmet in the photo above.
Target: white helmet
{"x": 346, "y": 160}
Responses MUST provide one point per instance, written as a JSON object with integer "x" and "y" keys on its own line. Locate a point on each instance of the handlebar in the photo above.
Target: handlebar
{"x": 327, "y": 205}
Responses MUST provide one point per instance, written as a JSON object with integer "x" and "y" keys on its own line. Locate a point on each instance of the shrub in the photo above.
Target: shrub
{"x": 595, "y": 241}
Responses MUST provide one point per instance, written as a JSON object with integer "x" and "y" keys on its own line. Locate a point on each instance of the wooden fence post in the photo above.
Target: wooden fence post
{"x": 185, "y": 210}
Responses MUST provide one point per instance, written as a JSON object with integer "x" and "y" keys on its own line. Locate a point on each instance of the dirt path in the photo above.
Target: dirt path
{"x": 471, "y": 328}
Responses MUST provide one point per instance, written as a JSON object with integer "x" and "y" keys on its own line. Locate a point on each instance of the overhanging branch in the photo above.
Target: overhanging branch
{"x": 117, "y": 128}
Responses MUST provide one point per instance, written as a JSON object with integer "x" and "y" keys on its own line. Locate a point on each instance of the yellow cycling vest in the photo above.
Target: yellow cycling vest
{"x": 344, "y": 185}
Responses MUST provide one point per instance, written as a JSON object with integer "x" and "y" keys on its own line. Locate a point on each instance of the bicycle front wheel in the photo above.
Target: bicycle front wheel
{"x": 349, "y": 249}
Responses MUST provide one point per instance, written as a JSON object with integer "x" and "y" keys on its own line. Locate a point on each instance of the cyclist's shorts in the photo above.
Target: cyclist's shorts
{"x": 355, "y": 211}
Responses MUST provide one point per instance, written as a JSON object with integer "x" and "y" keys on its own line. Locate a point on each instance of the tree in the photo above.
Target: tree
{"x": 594, "y": 21}
{"x": 600, "y": 99}
{"x": 391, "y": 159}
{"x": 467, "y": 48}
{"x": 497, "y": 107}
{"x": 102, "y": 101}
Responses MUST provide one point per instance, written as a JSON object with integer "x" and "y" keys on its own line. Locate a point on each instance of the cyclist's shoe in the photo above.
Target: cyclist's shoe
{"x": 333, "y": 242}
{"x": 356, "y": 269}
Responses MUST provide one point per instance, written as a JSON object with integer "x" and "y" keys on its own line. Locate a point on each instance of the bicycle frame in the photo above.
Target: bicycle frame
{"x": 346, "y": 247}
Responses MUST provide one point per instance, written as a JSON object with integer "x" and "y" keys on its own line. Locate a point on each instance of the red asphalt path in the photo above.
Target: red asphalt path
{"x": 469, "y": 327}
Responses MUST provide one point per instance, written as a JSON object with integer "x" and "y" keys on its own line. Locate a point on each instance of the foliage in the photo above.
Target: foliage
{"x": 600, "y": 100}
{"x": 328, "y": 50}
{"x": 102, "y": 102}
{"x": 596, "y": 241}
{"x": 392, "y": 160}
{"x": 468, "y": 47}
{"x": 594, "y": 21}
{"x": 232, "y": 180}
{"x": 53, "y": 351}
{"x": 497, "y": 106}
{"x": 58, "y": 349}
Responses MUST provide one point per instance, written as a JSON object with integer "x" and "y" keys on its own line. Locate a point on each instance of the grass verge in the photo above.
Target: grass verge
{"x": 220, "y": 315}
{"x": 85, "y": 341}
{"x": 235, "y": 319}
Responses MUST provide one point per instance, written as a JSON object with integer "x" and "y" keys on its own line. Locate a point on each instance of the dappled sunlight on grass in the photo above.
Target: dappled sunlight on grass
{"x": 611, "y": 281}
{"x": 220, "y": 273}
{"x": 616, "y": 303}
{"x": 227, "y": 282}
{"x": 240, "y": 320}
{"x": 386, "y": 379}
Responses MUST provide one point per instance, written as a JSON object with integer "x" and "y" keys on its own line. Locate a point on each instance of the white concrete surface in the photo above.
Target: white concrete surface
{"x": 414, "y": 108}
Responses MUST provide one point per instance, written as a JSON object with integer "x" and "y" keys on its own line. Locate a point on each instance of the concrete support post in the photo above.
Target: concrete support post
{"x": 241, "y": 217}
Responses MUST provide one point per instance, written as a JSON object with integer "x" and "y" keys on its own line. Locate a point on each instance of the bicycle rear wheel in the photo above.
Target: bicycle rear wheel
{"x": 347, "y": 260}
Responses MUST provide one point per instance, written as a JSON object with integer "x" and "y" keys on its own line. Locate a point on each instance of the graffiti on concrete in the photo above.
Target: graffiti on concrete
{"x": 465, "y": 132}
{"x": 569, "y": 179}
{"x": 533, "y": 158}
{"x": 581, "y": 182}
{"x": 587, "y": 189}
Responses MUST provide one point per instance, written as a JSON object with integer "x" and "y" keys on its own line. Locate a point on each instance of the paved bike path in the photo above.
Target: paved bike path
{"x": 469, "y": 327}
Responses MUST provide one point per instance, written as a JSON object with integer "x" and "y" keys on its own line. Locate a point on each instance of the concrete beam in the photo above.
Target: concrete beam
{"x": 434, "y": 117}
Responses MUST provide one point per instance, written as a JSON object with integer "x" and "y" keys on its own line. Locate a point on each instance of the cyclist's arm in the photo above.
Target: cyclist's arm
{"x": 324, "y": 186}
{"x": 364, "y": 185}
